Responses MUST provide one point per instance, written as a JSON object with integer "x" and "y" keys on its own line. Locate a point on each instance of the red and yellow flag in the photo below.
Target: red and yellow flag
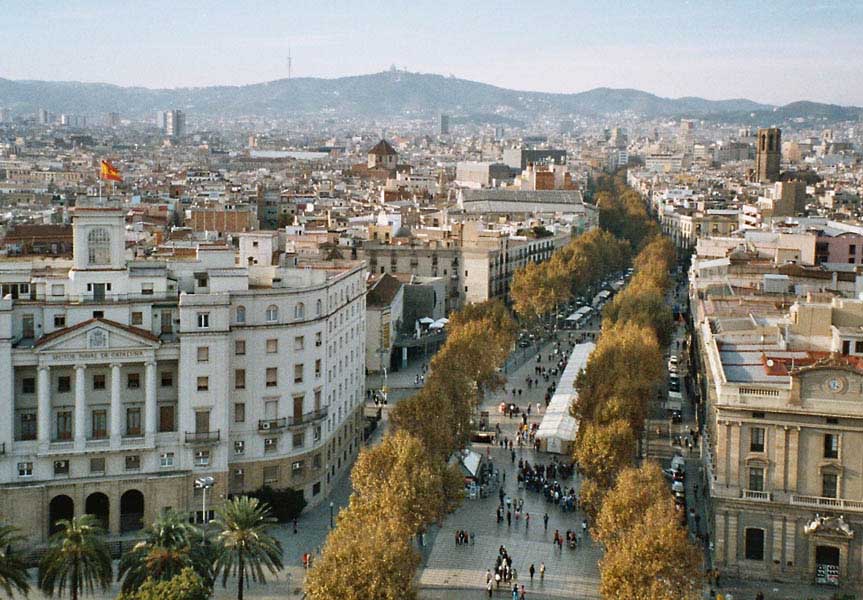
{"x": 110, "y": 172}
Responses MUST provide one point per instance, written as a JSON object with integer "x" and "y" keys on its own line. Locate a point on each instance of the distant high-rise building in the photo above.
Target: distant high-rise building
{"x": 5, "y": 115}
{"x": 161, "y": 116}
{"x": 768, "y": 151}
{"x": 499, "y": 132}
{"x": 43, "y": 116}
{"x": 618, "y": 138}
{"x": 175, "y": 123}
{"x": 113, "y": 119}
{"x": 444, "y": 124}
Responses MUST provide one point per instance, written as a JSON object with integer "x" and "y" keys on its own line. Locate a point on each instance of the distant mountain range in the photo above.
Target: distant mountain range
{"x": 392, "y": 93}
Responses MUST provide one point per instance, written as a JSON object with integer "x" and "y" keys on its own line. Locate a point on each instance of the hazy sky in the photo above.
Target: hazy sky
{"x": 765, "y": 50}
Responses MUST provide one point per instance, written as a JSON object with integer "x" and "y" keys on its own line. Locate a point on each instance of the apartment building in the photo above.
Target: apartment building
{"x": 784, "y": 436}
{"x": 127, "y": 380}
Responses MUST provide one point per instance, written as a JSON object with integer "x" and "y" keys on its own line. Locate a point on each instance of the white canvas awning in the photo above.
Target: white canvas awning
{"x": 558, "y": 427}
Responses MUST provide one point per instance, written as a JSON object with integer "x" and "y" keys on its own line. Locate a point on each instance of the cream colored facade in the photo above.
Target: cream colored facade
{"x": 127, "y": 380}
{"x": 784, "y": 441}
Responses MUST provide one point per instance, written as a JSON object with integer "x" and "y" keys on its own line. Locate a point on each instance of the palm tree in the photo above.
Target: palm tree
{"x": 13, "y": 572}
{"x": 171, "y": 544}
{"x": 78, "y": 559}
{"x": 244, "y": 547}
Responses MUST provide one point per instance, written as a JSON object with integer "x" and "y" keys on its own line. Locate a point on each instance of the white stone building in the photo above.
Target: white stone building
{"x": 124, "y": 381}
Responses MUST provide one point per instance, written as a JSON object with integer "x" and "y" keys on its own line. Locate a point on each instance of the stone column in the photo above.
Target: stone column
{"x": 732, "y": 538}
{"x": 44, "y": 406}
{"x": 80, "y": 426}
{"x": 150, "y": 408}
{"x": 116, "y": 407}
{"x": 793, "y": 452}
{"x": 734, "y": 455}
{"x": 719, "y": 545}
{"x": 779, "y": 458}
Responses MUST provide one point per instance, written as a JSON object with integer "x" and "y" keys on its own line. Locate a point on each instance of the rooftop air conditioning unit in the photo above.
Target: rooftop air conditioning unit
{"x": 265, "y": 425}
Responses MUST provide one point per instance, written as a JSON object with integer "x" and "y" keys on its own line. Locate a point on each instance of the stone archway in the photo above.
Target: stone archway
{"x": 131, "y": 511}
{"x": 98, "y": 505}
{"x": 61, "y": 507}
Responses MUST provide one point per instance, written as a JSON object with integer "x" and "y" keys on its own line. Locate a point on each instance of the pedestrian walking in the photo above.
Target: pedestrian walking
{"x": 542, "y": 571}
{"x": 531, "y": 570}
{"x": 523, "y": 594}
{"x": 545, "y": 521}
{"x": 509, "y": 518}
{"x": 526, "y": 521}
{"x": 295, "y": 526}
{"x": 514, "y": 591}
{"x": 489, "y": 589}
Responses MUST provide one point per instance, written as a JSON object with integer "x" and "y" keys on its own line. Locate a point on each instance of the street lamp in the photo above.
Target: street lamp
{"x": 204, "y": 484}
{"x": 332, "y": 506}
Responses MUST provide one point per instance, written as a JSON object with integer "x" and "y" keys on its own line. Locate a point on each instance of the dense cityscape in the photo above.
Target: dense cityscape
{"x": 406, "y": 335}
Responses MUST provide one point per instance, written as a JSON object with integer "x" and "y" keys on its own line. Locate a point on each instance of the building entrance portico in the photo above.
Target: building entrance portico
{"x": 96, "y": 386}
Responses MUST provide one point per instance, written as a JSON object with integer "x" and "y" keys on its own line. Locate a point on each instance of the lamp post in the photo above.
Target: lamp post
{"x": 332, "y": 506}
{"x": 204, "y": 484}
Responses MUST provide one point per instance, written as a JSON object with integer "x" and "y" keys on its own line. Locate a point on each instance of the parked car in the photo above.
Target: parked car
{"x": 672, "y": 362}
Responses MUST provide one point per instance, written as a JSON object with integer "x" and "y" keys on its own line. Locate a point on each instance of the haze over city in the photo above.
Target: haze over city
{"x": 772, "y": 52}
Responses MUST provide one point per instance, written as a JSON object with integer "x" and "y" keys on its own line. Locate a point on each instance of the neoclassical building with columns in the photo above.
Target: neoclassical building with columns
{"x": 122, "y": 380}
{"x": 783, "y": 444}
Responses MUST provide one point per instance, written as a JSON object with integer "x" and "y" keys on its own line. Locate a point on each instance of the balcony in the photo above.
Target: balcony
{"x": 827, "y": 503}
{"x": 758, "y": 496}
{"x": 203, "y": 437}
{"x": 265, "y": 425}
{"x": 3, "y": 448}
{"x": 308, "y": 418}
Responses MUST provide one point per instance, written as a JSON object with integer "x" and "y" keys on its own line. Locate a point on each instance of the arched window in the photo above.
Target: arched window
{"x": 241, "y": 314}
{"x": 272, "y": 313}
{"x": 99, "y": 246}
{"x": 300, "y": 311}
{"x": 318, "y": 307}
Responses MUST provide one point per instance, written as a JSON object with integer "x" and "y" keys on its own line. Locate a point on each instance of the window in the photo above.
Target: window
{"x": 58, "y": 289}
{"x": 239, "y": 412}
{"x": 298, "y": 373}
{"x": 299, "y": 439}
{"x": 166, "y": 459}
{"x": 201, "y": 280}
{"x": 317, "y": 433}
{"x": 239, "y": 347}
{"x": 271, "y": 475}
{"x": 167, "y": 379}
{"x": 133, "y": 421}
{"x": 316, "y": 488}
{"x": 272, "y": 346}
{"x": 239, "y": 447}
{"x": 297, "y": 465}
{"x": 299, "y": 342}
{"x": 203, "y": 320}
{"x": 756, "y": 440}
{"x": 239, "y": 478}
{"x": 754, "y": 544}
{"x": 318, "y": 367}
{"x": 316, "y": 461}
{"x": 99, "y": 382}
{"x": 241, "y": 314}
{"x": 97, "y": 465}
{"x": 203, "y": 354}
{"x": 756, "y": 479}
{"x": 239, "y": 379}
{"x": 271, "y": 444}
{"x": 61, "y": 467}
{"x": 64, "y": 425}
{"x": 202, "y": 421}
{"x": 319, "y": 308}
{"x": 28, "y": 385}
{"x": 300, "y": 311}
{"x": 858, "y": 347}
{"x": 133, "y": 462}
{"x": 99, "y": 424}
{"x": 272, "y": 313}
{"x": 59, "y": 320}
{"x": 99, "y": 246}
{"x": 146, "y": 289}
{"x": 137, "y": 318}
{"x": 831, "y": 445}
{"x": 133, "y": 381}
{"x": 98, "y": 314}
{"x": 203, "y": 384}
{"x": 318, "y": 340}
{"x": 829, "y": 485}
{"x": 202, "y": 458}
{"x": 166, "y": 418}
{"x": 64, "y": 383}
{"x": 27, "y": 422}
{"x": 25, "y": 469}
{"x": 272, "y": 377}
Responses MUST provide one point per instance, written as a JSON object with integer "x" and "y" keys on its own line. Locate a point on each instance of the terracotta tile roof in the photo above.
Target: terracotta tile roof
{"x": 128, "y": 328}
{"x": 383, "y": 148}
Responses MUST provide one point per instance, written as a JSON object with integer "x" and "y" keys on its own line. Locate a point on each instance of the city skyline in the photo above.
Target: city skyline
{"x": 740, "y": 50}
